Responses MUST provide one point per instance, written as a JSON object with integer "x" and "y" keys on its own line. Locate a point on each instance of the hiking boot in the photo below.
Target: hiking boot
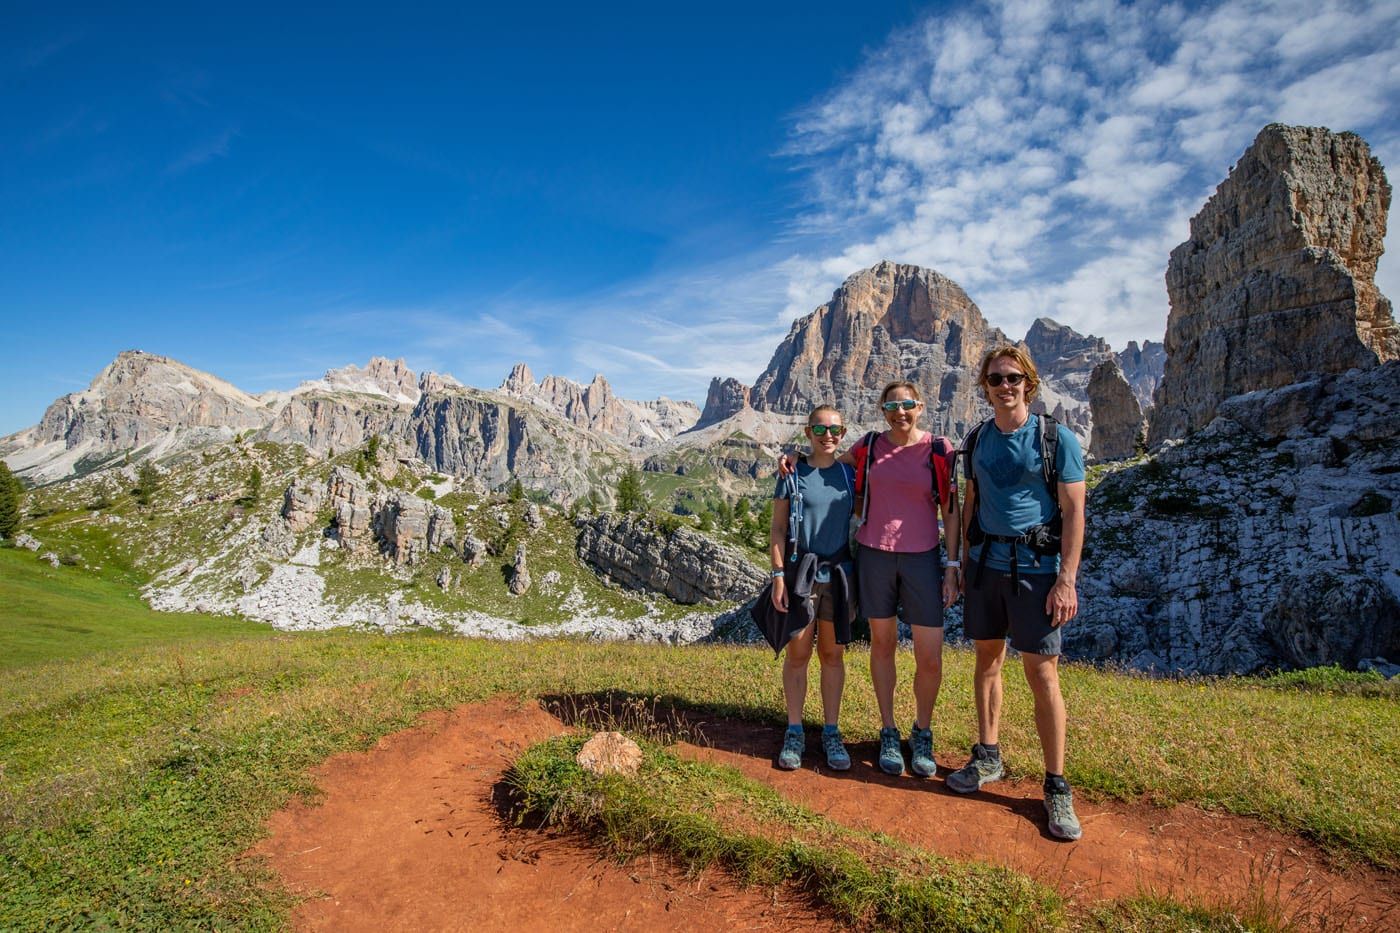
{"x": 983, "y": 768}
{"x": 837, "y": 758}
{"x": 794, "y": 744}
{"x": 1059, "y": 805}
{"x": 891, "y": 758}
{"x": 921, "y": 752}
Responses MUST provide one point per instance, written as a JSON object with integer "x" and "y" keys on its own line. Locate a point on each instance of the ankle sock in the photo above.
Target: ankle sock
{"x": 1056, "y": 783}
{"x": 795, "y": 728}
{"x": 830, "y": 729}
{"x": 993, "y": 751}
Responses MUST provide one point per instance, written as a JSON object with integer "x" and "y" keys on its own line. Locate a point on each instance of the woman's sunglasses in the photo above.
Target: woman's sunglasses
{"x": 1011, "y": 379}
{"x": 835, "y": 430}
{"x": 908, "y": 404}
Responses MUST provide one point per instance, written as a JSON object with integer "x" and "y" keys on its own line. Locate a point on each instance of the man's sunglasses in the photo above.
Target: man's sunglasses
{"x": 835, "y": 430}
{"x": 908, "y": 404}
{"x": 1011, "y": 379}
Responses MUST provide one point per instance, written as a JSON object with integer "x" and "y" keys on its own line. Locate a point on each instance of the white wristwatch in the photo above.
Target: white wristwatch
{"x": 952, "y": 563}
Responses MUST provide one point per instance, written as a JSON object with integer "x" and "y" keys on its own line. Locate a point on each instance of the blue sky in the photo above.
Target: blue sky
{"x": 647, "y": 190}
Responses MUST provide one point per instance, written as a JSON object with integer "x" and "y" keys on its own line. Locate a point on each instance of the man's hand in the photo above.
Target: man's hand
{"x": 1063, "y": 602}
{"x": 786, "y": 464}
{"x": 780, "y": 599}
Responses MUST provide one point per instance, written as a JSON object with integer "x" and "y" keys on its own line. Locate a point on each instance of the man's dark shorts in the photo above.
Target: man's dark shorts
{"x": 996, "y": 608}
{"x": 889, "y": 580}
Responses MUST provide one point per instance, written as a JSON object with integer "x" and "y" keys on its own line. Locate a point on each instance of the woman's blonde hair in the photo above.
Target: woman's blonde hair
{"x": 1022, "y": 359}
{"x": 821, "y": 408}
{"x": 901, "y": 384}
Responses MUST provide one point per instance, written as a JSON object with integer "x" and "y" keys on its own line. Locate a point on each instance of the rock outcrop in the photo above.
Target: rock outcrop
{"x": 727, "y": 397}
{"x": 519, "y": 572}
{"x": 300, "y": 503}
{"x": 389, "y": 378}
{"x": 1119, "y": 428}
{"x": 334, "y": 423}
{"x": 1063, "y": 354}
{"x": 1266, "y": 540}
{"x": 610, "y": 753}
{"x": 352, "y": 507}
{"x": 1277, "y": 282}
{"x": 1142, "y": 367}
{"x": 685, "y": 565}
{"x": 885, "y": 323}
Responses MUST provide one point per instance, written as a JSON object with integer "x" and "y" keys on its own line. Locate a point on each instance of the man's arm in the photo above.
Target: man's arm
{"x": 1063, "y": 602}
{"x": 969, "y": 506}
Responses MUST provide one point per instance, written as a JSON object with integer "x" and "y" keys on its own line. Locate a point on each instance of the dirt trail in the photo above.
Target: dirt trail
{"x": 1185, "y": 852}
{"x": 409, "y": 836}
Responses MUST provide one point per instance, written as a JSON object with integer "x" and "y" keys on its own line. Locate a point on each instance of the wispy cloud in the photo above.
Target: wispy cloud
{"x": 1047, "y": 156}
{"x": 213, "y": 147}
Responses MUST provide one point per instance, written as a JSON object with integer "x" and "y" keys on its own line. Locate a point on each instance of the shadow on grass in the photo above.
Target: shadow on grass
{"x": 752, "y": 732}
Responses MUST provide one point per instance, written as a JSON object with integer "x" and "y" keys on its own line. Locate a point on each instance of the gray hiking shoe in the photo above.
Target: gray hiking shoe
{"x": 837, "y": 758}
{"x": 1059, "y": 805}
{"x": 891, "y": 758}
{"x": 983, "y": 768}
{"x": 921, "y": 752}
{"x": 794, "y": 744}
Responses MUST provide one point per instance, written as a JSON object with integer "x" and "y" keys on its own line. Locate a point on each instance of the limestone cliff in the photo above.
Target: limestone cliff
{"x": 596, "y": 408}
{"x": 684, "y": 565}
{"x": 1277, "y": 281}
{"x": 726, "y": 398}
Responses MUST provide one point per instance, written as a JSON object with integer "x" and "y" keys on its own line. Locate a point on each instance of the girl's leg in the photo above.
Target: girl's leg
{"x": 796, "y": 657}
{"x": 833, "y": 671}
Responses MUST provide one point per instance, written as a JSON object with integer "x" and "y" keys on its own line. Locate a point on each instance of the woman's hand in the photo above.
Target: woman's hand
{"x": 952, "y": 585}
{"x": 786, "y": 464}
{"x": 780, "y": 600}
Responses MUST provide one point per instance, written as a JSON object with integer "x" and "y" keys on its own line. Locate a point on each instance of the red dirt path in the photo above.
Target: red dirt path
{"x": 409, "y": 836}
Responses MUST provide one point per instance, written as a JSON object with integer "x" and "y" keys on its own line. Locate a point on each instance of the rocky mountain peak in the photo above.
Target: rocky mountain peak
{"x": 1059, "y": 349}
{"x": 389, "y": 378}
{"x": 891, "y": 321}
{"x": 1277, "y": 280}
{"x": 520, "y": 381}
{"x": 726, "y": 398}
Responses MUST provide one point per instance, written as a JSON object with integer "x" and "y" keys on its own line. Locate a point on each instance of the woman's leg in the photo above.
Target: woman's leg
{"x": 796, "y": 657}
{"x": 928, "y": 672}
{"x": 884, "y": 638}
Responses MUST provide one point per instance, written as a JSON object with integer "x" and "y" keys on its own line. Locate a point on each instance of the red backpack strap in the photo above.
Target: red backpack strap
{"x": 863, "y": 451}
{"x": 942, "y": 455}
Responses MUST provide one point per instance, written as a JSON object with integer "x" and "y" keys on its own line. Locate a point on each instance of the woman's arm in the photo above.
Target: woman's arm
{"x": 777, "y": 537}
{"x": 953, "y": 529}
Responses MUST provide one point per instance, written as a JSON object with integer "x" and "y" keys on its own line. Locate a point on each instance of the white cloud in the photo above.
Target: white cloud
{"x": 1048, "y": 157}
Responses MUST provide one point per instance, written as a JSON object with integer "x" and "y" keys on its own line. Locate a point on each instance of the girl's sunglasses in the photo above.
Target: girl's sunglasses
{"x": 835, "y": 430}
{"x": 908, "y": 404}
{"x": 1011, "y": 379}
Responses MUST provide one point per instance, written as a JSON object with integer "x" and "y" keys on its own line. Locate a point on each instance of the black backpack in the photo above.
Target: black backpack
{"x": 1042, "y": 539}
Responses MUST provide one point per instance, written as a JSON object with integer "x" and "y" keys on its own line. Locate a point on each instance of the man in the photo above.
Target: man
{"x": 1014, "y": 583}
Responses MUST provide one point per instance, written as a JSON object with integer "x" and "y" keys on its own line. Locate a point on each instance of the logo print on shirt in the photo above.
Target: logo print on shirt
{"x": 1004, "y": 470}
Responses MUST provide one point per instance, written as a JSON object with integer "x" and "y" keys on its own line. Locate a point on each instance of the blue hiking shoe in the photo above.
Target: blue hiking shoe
{"x": 837, "y": 758}
{"x": 794, "y": 744}
{"x": 921, "y": 752}
{"x": 891, "y": 758}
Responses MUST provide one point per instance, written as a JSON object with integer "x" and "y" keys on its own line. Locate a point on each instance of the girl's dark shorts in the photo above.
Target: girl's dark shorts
{"x": 996, "y": 608}
{"x": 891, "y": 581}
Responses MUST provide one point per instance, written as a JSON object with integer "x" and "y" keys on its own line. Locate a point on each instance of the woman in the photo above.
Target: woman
{"x": 811, "y": 566}
{"x": 905, "y": 481}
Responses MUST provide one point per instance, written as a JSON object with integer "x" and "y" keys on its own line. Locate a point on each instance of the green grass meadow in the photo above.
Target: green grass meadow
{"x": 141, "y": 753}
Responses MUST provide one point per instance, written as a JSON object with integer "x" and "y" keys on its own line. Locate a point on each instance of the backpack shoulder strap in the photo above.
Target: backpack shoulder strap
{"x": 942, "y": 461}
{"x": 1049, "y": 454}
{"x": 969, "y": 447}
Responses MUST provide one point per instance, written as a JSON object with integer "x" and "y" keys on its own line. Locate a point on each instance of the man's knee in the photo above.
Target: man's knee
{"x": 1042, "y": 672}
{"x": 991, "y": 653}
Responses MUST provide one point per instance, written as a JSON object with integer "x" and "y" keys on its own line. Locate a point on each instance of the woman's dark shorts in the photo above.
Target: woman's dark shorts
{"x": 996, "y": 608}
{"x": 890, "y": 581}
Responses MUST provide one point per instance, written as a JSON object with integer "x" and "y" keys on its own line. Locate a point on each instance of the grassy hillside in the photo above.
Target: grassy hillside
{"x": 134, "y": 778}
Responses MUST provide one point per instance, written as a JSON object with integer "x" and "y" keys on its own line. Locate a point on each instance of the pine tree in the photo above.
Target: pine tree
{"x": 630, "y": 497}
{"x": 147, "y": 482}
{"x": 517, "y": 491}
{"x": 11, "y": 497}
{"x": 253, "y": 486}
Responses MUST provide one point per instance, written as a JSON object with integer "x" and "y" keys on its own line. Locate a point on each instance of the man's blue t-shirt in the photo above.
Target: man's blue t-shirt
{"x": 1011, "y": 491}
{"x": 828, "y": 496}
